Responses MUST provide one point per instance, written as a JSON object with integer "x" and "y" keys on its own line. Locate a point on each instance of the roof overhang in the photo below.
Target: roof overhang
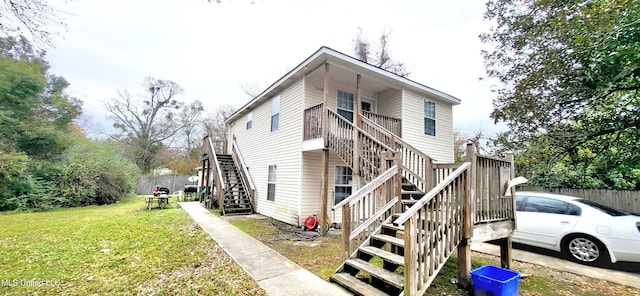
{"x": 333, "y": 57}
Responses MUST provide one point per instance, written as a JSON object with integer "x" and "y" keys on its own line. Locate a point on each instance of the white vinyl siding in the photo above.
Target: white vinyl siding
{"x": 390, "y": 103}
{"x": 271, "y": 183}
{"x": 261, "y": 148}
{"x": 249, "y": 120}
{"x": 429, "y": 118}
{"x": 311, "y": 176}
{"x": 440, "y": 147}
{"x": 275, "y": 114}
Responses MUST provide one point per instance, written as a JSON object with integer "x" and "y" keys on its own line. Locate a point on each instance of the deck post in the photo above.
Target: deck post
{"x": 325, "y": 106}
{"x": 505, "y": 243}
{"x": 357, "y": 120}
{"x": 411, "y": 257}
{"x": 201, "y": 198}
{"x": 324, "y": 194}
{"x": 398, "y": 181}
{"x": 464, "y": 248}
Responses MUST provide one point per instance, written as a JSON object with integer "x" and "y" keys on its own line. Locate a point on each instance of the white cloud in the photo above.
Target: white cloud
{"x": 211, "y": 49}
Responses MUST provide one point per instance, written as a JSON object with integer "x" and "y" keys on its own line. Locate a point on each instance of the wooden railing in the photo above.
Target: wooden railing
{"x": 391, "y": 124}
{"x": 490, "y": 205}
{"x": 245, "y": 177}
{"x": 218, "y": 182}
{"x": 342, "y": 136}
{"x": 313, "y": 122}
{"x": 364, "y": 211}
{"x": 417, "y": 167}
{"x": 433, "y": 227}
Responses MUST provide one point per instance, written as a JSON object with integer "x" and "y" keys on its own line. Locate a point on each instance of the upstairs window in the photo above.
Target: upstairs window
{"x": 271, "y": 183}
{"x": 429, "y": 118}
{"x": 275, "y": 114}
{"x": 249, "y": 120}
{"x": 345, "y": 104}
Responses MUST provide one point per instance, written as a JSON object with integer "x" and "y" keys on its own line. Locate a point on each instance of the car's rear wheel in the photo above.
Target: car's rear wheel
{"x": 586, "y": 249}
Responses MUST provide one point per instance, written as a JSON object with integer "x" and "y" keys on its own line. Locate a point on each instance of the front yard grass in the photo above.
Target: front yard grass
{"x": 120, "y": 249}
{"x": 322, "y": 256}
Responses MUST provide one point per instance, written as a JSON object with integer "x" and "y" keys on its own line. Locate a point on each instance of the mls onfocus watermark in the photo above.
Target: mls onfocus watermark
{"x": 30, "y": 282}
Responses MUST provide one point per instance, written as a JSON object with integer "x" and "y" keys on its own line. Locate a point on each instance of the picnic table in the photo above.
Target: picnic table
{"x": 160, "y": 199}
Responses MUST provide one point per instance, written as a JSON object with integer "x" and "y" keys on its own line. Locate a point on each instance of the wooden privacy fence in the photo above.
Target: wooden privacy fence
{"x": 626, "y": 200}
{"x": 146, "y": 184}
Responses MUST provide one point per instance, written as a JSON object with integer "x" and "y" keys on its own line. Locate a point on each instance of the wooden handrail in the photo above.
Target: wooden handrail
{"x": 417, "y": 166}
{"x": 244, "y": 171}
{"x": 369, "y": 187}
{"x": 364, "y": 211}
{"x": 361, "y": 130}
{"x": 433, "y": 192}
{"x": 219, "y": 182}
{"x": 313, "y": 122}
{"x": 389, "y": 123}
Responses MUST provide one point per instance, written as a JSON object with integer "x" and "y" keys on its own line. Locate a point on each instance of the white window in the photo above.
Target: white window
{"x": 343, "y": 184}
{"x": 345, "y": 104}
{"x": 429, "y": 118}
{"x": 275, "y": 113}
{"x": 271, "y": 183}
{"x": 249, "y": 120}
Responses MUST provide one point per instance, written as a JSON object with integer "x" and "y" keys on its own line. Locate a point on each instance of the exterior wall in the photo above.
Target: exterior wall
{"x": 311, "y": 185}
{"x": 390, "y": 103}
{"x": 261, "y": 147}
{"x": 440, "y": 146}
{"x": 315, "y": 84}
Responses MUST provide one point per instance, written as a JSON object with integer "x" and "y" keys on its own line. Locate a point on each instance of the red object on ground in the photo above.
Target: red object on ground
{"x": 311, "y": 223}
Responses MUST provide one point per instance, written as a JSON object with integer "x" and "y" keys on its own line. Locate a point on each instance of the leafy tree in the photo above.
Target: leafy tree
{"x": 45, "y": 160}
{"x": 147, "y": 120}
{"x": 379, "y": 54}
{"x": 568, "y": 76}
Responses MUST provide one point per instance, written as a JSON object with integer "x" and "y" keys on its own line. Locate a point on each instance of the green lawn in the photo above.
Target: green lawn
{"x": 117, "y": 249}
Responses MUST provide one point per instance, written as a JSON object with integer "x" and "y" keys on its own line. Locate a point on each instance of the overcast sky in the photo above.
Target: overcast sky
{"x": 212, "y": 49}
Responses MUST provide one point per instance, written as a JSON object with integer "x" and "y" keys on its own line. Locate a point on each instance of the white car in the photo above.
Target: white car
{"x": 587, "y": 232}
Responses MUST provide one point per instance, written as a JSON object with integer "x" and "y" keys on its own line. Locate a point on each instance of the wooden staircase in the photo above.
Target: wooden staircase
{"x": 399, "y": 230}
{"x": 236, "y": 198}
{"x": 377, "y": 268}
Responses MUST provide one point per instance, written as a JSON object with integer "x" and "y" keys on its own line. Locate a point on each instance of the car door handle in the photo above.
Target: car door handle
{"x": 564, "y": 222}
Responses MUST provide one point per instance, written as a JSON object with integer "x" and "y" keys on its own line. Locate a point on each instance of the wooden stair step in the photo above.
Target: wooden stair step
{"x": 389, "y": 239}
{"x": 392, "y": 227}
{"x": 355, "y": 285}
{"x": 388, "y": 277}
{"x": 412, "y": 192}
{"x": 385, "y": 255}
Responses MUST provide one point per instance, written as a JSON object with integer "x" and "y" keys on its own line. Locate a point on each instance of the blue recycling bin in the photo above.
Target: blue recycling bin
{"x": 489, "y": 280}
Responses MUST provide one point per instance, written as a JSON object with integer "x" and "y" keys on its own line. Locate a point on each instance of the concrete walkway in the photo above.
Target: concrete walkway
{"x": 273, "y": 272}
{"x": 614, "y": 276}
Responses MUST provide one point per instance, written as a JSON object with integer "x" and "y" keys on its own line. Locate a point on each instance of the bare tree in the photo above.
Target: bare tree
{"x": 148, "y": 119}
{"x": 35, "y": 17}
{"x": 378, "y": 54}
{"x": 215, "y": 127}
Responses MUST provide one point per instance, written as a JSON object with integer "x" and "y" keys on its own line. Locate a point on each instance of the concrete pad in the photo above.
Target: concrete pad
{"x": 302, "y": 283}
{"x": 614, "y": 276}
{"x": 276, "y": 274}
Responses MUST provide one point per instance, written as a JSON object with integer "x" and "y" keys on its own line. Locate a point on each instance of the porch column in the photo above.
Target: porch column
{"x": 324, "y": 188}
{"x": 357, "y": 121}
{"x": 464, "y": 248}
{"x": 324, "y": 185}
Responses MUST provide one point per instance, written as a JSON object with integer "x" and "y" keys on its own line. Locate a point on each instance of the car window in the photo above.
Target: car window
{"x": 519, "y": 202}
{"x": 610, "y": 211}
{"x": 550, "y": 206}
